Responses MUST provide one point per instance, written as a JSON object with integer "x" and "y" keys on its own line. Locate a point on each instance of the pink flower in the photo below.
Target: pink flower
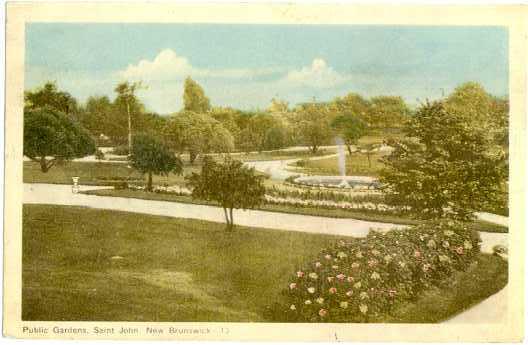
{"x": 328, "y": 256}
{"x": 426, "y": 267}
{"x": 417, "y": 254}
{"x": 460, "y": 250}
{"x": 332, "y": 290}
{"x": 300, "y": 274}
{"x": 293, "y": 286}
{"x": 349, "y": 293}
{"x": 322, "y": 312}
{"x": 340, "y": 276}
{"x": 317, "y": 264}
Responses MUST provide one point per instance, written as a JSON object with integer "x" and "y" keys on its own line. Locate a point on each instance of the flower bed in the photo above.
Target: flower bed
{"x": 361, "y": 280}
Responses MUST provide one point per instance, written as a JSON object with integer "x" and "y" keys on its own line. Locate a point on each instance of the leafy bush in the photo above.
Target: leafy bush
{"x": 360, "y": 280}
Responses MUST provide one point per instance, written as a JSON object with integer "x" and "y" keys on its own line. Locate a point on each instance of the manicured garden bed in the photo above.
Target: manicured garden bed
{"x": 86, "y": 264}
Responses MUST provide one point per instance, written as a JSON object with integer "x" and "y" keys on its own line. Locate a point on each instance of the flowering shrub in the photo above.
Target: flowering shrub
{"x": 361, "y": 280}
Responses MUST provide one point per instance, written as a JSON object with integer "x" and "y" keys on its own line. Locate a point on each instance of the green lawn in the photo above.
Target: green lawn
{"x": 282, "y": 154}
{"x": 184, "y": 270}
{"x": 367, "y": 215}
{"x": 96, "y": 173}
{"x": 465, "y": 289}
{"x": 355, "y": 163}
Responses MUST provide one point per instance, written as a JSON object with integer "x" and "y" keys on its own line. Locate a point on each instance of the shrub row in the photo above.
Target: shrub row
{"x": 362, "y": 279}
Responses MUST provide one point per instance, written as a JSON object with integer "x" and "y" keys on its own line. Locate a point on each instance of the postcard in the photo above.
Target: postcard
{"x": 265, "y": 172}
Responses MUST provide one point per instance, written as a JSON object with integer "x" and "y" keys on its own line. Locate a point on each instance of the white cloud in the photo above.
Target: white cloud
{"x": 168, "y": 65}
{"x": 317, "y": 75}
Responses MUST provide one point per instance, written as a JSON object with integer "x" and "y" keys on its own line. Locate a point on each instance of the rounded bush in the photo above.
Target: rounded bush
{"x": 360, "y": 280}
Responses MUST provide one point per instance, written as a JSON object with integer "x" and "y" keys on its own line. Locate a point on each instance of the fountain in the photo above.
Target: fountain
{"x": 342, "y": 181}
{"x": 341, "y": 163}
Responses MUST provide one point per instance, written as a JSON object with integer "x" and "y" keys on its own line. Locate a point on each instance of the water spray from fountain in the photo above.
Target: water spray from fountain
{"x": 341, "y": 162}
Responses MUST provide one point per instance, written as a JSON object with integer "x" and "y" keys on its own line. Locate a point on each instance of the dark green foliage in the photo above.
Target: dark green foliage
{"x": 150, "y": 156}
{"x": 230, "y": 183}
{"x": 445, "y": 167}
{"x": 49, "y": 96}
{"x": 194, "y": 98}
{"x": 350, "y": 128}
{"x": 363, "y": 280}
{"x": 51, "y": 136}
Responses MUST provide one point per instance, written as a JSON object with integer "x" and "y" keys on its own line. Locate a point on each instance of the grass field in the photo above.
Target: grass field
{"x": 96, "y": 173}
{"x": 367, "y": 215}
{"x": 355, "y": 163}
{"x": 86, "y": 264}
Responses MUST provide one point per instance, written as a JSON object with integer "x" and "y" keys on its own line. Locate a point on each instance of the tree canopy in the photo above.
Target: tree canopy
{"x": 350, "y": 128}
{"x": 230, "y": 183}
{"x": 150, "y": 156}
{"x": 197, "y": 133}
{"x": 194, "y": 98}
{"x": 50, "y": 136}
{"x": 314, "y": 125}
{"x": 49, "y": 96}
{"x": 445, "y": 167}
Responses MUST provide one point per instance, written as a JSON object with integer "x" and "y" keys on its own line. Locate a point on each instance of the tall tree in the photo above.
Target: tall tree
{"x": 478, "y": 107}
{"x": 445, "y": 167}
{"x": 126, "y": 93}
{"x": 150, "y": 156}
{"x": 194, "y": 98}
{"x": 230, "y": 183}
{"x": 313, "y": 125}
{"x": 51, "y": 137}
{"x": 197, "y": 133}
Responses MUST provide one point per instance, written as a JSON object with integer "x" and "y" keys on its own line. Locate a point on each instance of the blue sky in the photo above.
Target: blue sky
{"x": 246, "y": 65}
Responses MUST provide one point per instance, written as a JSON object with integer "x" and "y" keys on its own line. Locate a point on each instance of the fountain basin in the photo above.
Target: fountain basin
{"x": 343, "y": 182}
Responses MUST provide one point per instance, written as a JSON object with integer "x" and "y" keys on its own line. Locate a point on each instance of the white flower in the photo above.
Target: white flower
{"x": 320, "y": 300}
{"x": 357, "y": 285}
{"x": 343, "y": 304}
{"x": 431, "y": 244}
{"x": 445, "y": 244}
{"x": 341, "y": 255}
{"x": 363, "y": 295}
{"x": 292, "y": 307}
{"x": 448, "y": 233}
{"x": 311, "y": 289}
{"x": 363, "y": 308}
{"x": 307, "y": 302}
{"x": 467, "y": 245}
{"x": 313, "y": 275}
{"x": 375, "y": 276}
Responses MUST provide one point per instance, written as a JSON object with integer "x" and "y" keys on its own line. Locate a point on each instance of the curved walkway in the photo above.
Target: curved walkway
{"x": 55, "y": 194}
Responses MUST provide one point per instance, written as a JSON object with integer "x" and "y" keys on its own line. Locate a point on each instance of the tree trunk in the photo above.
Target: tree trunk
{"x": 368, "y": 157}
{"x": 349, "y": 148}
{"x": 129, "y": 128}
{"x": 149, "y": 182}
{"x": 231, "y": 216}
{"x": 314, "y": 149}
{"x": 43, "y": 164}
{"x": 192, "y": 156}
